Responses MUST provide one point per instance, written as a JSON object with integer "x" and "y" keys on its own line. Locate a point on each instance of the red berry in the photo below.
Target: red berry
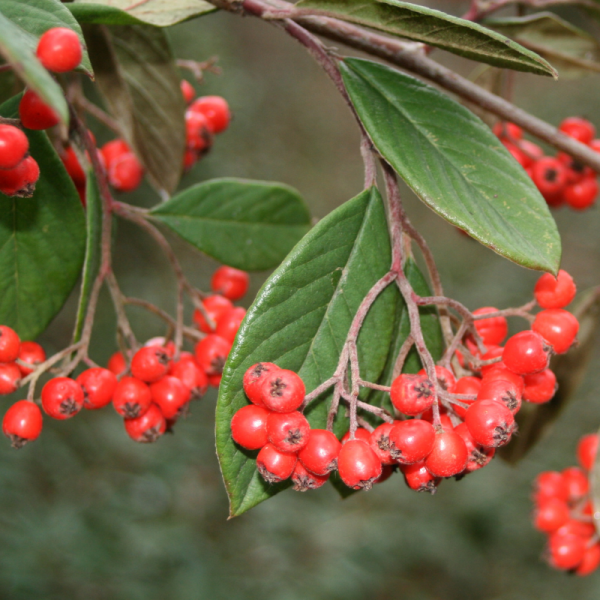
{"x": 418, "y": 478}
{"x": 198, "y": 136}
{"x": 215, "y": 307}
{"x": 446, "y": 379}
{"x": 148, "y": 427}
{"x": 215, "y": 380}
{"x": 411, "y": 441}
{"x": 466, "y": 386}
{"x": 579, "y": 528}
{"x": 161, "y": 342}
{"x": 555, "y": 292}
{"x": 229, "y": 282}
{"x": 253, "y": 380}
{"x": 386, "y": 473}
{"x": 229, "y": 323}
{"x": 73, "y": 167}
{"x": 211, "y": 354}
{"x": 358, "y": 465}
{"x": 492, "y": 330}
{"x": 505, "y": 129}
{"x": 503, "y": 391}
{"x": 494, "y": 352}
{"x": 550, "y": 515}
{"x": 558, "y": 327}
{"x": 10, "y": 378}
{"x": 282, "y": 391}
{"x": 579, "y": 129}
{"x": 249, "y": 427}
{"x": 273, "y": 465}
{"x": 479, "y": 456}
{"x": 98, "y": 387}
{"x": 305, "y": 480}
{"x": 320, "y": 454}
{"x": 491, "y": 424}
{"x": 59, "y": 50}
{"x": 188, "y": 91}
{"x": 13, "y": 146}
{"x": 116, "y": 363}
{"x": 566, "y": 551}
{"x": 360, "y": 434}
{"x": 448, "y": 456}
{"x": 540, "y": 387}
{"x": 32, "y": 354}
{"x": 170, "y": 395}
{"x": 215, "y": 109}
{"x": 587, "y": 450}
{"x": 113, "y": 150}
{"x": 189, "y": 159}
{"x": 550, "y": 484}
{"x": 126, "y": 173}
{"x": 192, "y": 376}
{"x": 150, "y": 363}
{"x": 526, "y": 353}
{"x": 499, "y": 371}
{"x": 581, "y": 195}
{"x": 518, "y": 154}
{"x": 62, "y": 398}
{"x": 381, "y": 445}
{"x": 590, "y": 561}
{"x": 412, "y": 394}
{"x": 549, "y": 176}
{"x": 21, "y": 180}
{"x": 35, "y": 113}
{"x": 132, "y": 398}
{"x": 531, "y": 150}
{"x": 22, "y": 423}
{"x": 576, "y": 481}
{"x": 288, "y": 432}
{"x": 576, "y": 171}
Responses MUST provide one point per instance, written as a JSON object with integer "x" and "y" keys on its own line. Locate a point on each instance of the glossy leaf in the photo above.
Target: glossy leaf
{"x": 42, "y": 242}
{"x": 300, "y": 320}
{"x": 250, "y": 225}
{"x": 15, "y": 48}
{"x": 93, "y": 249}
{"x": 161, "y": 13}
{"x": 454, "y": 163}
{"x": 535, "y": 420}
{"x": 35, "y": 17}
{"x": 435, "y": 28}
{"x": 573, "y": 51}
{"x": 136, "y": 74}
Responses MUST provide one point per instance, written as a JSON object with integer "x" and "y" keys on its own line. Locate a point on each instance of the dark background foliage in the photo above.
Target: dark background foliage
{"x": 87, "y": 514}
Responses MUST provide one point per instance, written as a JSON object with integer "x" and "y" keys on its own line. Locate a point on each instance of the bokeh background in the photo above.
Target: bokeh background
{"x": 85, "y": 513}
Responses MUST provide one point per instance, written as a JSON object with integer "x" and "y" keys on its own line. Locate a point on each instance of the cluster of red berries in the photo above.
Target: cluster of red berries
{"x": 150, "y": 393}
{"x": 205, "y": 117}
{"x": 59, "y": 50}
{"x": 565, "y": 513}
{"x": 433, "y": 439}
{"x": 560, "y": 179}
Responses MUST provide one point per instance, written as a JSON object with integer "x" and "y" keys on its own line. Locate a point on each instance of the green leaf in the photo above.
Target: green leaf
{"x": 300, "y": 320}
{"x": 161, "y": 13}
{"x": 435, "y": 28}
{"x": 42, "y": 241}
{"x": 137, "y": 76}
{"x": 15, "y": 47}
{"x": 35, "y": 17}
{"x": 454, "y": 163}
{"x": 430, "y": 326}
{"x": 250, "y": 225}
{"x": 535, "y": 420}
{"x": 572, "y": 50}
{"x": 93, "y": 249}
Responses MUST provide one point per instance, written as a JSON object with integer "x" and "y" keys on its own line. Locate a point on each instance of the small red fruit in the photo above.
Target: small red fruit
{"x": 275, "y": 466}
{"x": 549, "y": 176}
{"x": 580, "y": 129}
{"x": 211, "y": 354}
{"x": 526, "y": 353}
{"x": 381, "y": 445}
{"x": 283, "y": 391}
{"x": 358, "y": 465}
{"x": 116, "y": 363}
{"x": 550, "y": 515}
{"x": 411, "y": 441}
{"x": 35, "y": 113}
{"x": 215, "y": 109}
{"x": 188, "y": 91}
{"x": 62, "y": 398}
{"x": 249, "y": 427}
{"x": 503, "y": 391}
{"x": 555, "y": 292}
{"x": 150, "y": 363}
{"x": 13, "y": 146}
{"x": 566, "y": 551}
{"x": 587, "y": 450}
{"x": 577, "y": 483}
{"x": 288, "y": 432}
{"x": 125, "y": 173}
{"x": 32, "y": 354}
{"x": 170, "y": 395}
{"x": 113, "y": 150}
{"x": 9, "y": 344}
{"x": 505, "y": 129}
{"x": 98, "y": 387}
{"x": 21, "y": 180}
{"x": 418, "y": 478}
{"x": 10, "y": 378}
{"x": 253, "y": 380}
{"x": 229, "y": 323}
{"x": 491, "y": 424}
{"x": 132, "y": 398}
{"x": 581, "y": 195}
{"x": 198, "y": 136}
{"x": 148, "y": 427}
{"x": 320, "y": 454}
{"x": 540, "y": 387}
{"x": 466, "y": 386}
{"x": 192, "y": 376}
{"x": 558, "y": 327}
{"x": 479, "y": 456}
{"x": 22, "y": 423}
{"x": 492, "y": 330}
{"x": 550, "y": 484}
{"x": 305, "y": 480}
{"x": 448, "y": 456}
{"x": 214, "y": 307}
{"x": 499, "y": 371}
{"x": 412, "y": 394}
{"x": 59, "y": 50}
{"x": 590, "y": 561}
{"x": 445, "y": 377}
{"x": 229, "y": 282}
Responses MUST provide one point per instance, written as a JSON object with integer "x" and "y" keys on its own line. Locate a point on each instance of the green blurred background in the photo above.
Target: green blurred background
{"x": 85, "y": 513}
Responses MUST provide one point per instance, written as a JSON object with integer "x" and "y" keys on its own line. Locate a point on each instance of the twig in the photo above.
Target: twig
{"x": 198, "y": 68}
{"x": 98, "y": 113}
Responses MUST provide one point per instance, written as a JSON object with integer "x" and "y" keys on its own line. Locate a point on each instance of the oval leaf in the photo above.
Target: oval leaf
{"x": 250, "y": 225}
{"x": 42, "y": 241}
{"x": 139, "y": 81}
{"x": 454, "y": 163}
{"x": 160, "y": 13}
{"x": 300, "y": 320}
{"x": 35, "y": 17}
{"x": 435, "y": 28}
